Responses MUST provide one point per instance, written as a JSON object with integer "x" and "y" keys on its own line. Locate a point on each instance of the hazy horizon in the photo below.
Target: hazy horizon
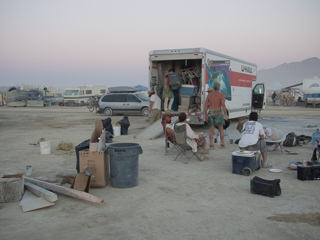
{"x": 70, "y": 43}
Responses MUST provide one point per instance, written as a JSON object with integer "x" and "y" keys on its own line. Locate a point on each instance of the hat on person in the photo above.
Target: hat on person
{"x": 209, "y": 89}
{"x": 167, "y": 113}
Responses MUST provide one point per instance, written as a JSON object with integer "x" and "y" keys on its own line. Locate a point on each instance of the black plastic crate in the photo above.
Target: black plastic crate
{"x": 316, "y": 172}
{"x": 305, "y": 173}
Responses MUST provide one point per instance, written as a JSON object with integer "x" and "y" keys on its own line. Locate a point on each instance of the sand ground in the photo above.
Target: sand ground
{"x": 198, "y": 200}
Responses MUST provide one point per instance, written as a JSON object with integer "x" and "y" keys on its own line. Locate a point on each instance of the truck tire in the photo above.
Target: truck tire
{"x": 108, "y": 111}
{"x": 145, "y": 111}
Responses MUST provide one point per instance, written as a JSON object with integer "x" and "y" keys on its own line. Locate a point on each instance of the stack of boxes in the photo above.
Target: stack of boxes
{"x": 186, "y": 97}
{"x": 94, "y": 160}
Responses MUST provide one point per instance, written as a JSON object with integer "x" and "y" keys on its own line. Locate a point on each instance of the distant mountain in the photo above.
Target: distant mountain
{"x": 288, "y": 74}
{"x": 141, "y": 88}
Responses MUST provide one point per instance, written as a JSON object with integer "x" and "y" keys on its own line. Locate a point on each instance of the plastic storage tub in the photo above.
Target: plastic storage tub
{"x": 186, "y": 100}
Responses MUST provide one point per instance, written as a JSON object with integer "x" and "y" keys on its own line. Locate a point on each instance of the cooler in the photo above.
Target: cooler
{"x": 245, "y": 162}
{"x": 187, "y": 90}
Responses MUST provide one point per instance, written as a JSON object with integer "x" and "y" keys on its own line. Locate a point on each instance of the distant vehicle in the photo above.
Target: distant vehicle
{"x": 199, "y": 69}
{"x": 81, "y": 94}
{"x": 54, "y": 98}
{"x": 311, "y": 90}
{"x": 124, "y": 101}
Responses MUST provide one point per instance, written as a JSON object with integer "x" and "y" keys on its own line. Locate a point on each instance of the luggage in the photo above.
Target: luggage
{"x": 269, "y": 188}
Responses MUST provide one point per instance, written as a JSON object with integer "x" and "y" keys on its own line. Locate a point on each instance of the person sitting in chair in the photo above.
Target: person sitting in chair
{"x": 252, "y": 138}
{"x": 194, "y": 140}
{"x": 166, "y": 117}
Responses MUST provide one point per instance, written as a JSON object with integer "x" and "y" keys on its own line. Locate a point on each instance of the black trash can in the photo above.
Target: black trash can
{"x": 124, "y": 164}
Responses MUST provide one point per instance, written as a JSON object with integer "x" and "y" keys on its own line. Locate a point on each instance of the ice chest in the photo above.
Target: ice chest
{"x": 187, "y": 90}
{"x": 244, "y": 163}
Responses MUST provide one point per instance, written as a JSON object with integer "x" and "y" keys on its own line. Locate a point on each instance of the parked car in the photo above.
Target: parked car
{"x": 124, "y": 103}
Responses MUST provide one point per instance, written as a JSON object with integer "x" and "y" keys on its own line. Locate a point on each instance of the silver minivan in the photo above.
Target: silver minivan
{"x": 124, "y": 103}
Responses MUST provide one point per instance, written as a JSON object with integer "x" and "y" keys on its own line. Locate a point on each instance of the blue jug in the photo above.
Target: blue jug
{"x": 315, "y": 137}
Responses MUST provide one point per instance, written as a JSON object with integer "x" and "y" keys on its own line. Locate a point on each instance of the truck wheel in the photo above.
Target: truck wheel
{"x": 108, "y": 111}
{"x": 145, "y": 111}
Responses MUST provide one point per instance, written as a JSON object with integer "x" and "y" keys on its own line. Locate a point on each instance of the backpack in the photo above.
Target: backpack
{"x": 291, "y": 140}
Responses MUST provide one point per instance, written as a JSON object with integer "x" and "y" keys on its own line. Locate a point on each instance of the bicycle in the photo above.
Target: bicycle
{"x": 92, "y": 104}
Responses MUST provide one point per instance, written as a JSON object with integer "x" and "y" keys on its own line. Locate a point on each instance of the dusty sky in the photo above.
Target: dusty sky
{"x": 66, "y": 43}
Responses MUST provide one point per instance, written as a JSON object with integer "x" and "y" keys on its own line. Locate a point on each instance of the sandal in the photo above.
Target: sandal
{"x": 211, "y": 147}
{"x": 222, "y": 145}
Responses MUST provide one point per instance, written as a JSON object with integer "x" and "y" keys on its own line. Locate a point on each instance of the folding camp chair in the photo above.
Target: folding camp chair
{"x": 169, "y": 143}
{"x": 180, "y": 133}
{"x": 280, "y": 136}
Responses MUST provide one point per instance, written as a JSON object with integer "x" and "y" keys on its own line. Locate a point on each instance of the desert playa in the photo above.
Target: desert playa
{"x": 173, "y": 200}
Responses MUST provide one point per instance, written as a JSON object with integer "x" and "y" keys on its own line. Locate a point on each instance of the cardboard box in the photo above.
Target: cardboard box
{"x": 97, "y": 164}
{"x": 96, "y": 144}
{"x": 95, "y": 160}
{"x": 81, "y": 182}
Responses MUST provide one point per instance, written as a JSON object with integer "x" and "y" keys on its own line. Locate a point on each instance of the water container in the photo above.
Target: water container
{"x": 315, "y": 137}
{"x": 124, "y": 164}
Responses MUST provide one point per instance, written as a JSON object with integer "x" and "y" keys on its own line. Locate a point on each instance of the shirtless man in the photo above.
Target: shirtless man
{"x": 214, "y": 103}
{"x": 167, "y": 92}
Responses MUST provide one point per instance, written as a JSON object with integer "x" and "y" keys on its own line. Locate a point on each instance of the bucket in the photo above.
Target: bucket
{"x": 116, "y": 131}
{"x": 124, "y": 164}
{"x": 45, "y": 147}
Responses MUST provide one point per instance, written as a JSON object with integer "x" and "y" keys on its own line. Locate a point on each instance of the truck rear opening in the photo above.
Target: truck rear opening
{"x": 199, "y": 68}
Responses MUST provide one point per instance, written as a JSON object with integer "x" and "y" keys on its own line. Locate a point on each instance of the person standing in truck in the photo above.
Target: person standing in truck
{"x": 167, "y": 94}
{"x": 215, "y": 103}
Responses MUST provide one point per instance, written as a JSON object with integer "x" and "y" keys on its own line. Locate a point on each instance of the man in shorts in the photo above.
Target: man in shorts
{"x": 215, "y": 103}
{"x": 167, "y": 94}
{"x": 252, "y": 138}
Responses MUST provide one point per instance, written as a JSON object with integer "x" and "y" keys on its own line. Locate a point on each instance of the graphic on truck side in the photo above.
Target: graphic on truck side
{"x": 219, "y": 71}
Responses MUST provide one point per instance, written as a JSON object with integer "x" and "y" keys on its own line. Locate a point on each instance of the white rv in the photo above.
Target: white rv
{"x": 199, "y": 69}
{"x": 311, "y": 90}
{"x": 81, "y": 94}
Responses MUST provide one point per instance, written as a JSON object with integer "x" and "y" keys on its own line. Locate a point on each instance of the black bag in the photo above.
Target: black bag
{"x": 124, "y": 123}
{"x": 291, "y": 140}
{"x": 106, "y": 123}
{"x": 269, "y": 188}
{"x": 82, "y": 146}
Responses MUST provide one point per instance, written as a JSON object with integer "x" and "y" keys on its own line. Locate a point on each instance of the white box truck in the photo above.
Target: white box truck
{"x": 200, "y": 68}
{"x": 311, "y": 90}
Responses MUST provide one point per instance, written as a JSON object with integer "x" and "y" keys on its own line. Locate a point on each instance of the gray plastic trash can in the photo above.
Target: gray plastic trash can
{"x": 124, "y": 164}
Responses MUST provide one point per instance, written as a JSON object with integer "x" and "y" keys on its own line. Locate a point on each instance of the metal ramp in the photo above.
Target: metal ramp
{"x": 155, "y": 130}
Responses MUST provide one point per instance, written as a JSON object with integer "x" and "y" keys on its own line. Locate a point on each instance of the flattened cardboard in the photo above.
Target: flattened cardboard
{"x": 97, "y": 164}
{"x": 81, "y": 182}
